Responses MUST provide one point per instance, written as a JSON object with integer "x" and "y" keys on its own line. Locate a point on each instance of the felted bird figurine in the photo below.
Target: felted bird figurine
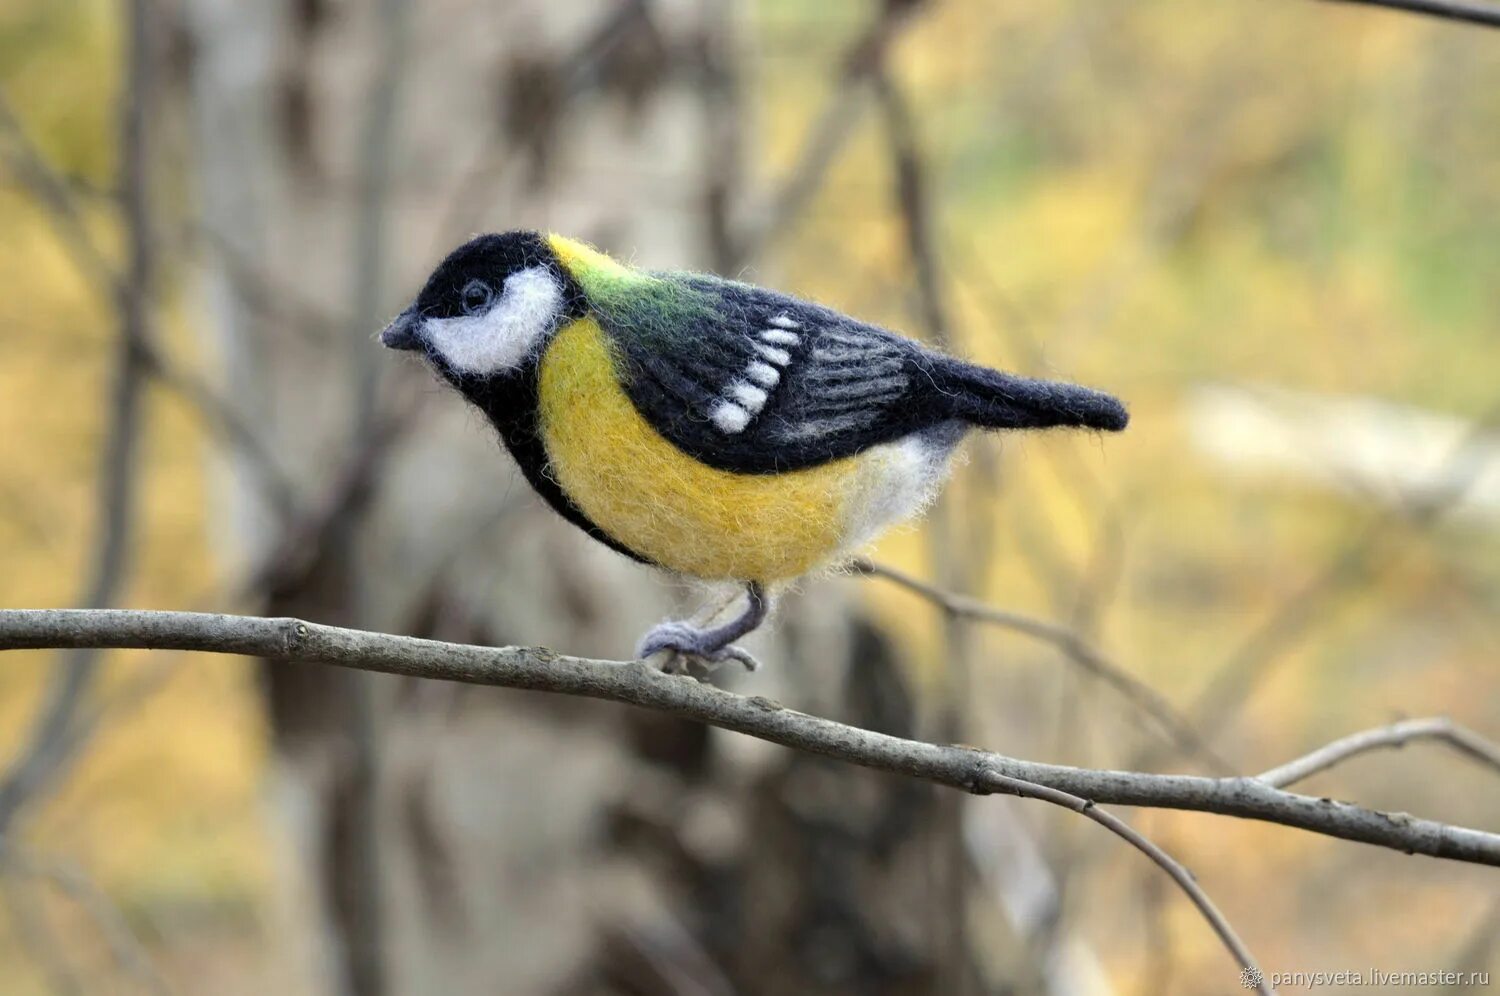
{"x": 712, "y": 428}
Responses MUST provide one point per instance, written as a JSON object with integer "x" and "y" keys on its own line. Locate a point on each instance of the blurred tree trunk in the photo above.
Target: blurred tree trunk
{"x": 249, "y": 100}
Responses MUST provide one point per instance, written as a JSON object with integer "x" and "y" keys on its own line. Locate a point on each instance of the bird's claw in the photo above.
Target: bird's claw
{"x": 686, "y": 642}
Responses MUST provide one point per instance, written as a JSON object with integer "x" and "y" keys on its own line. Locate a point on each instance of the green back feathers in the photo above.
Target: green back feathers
{"x": 633, "y": 302}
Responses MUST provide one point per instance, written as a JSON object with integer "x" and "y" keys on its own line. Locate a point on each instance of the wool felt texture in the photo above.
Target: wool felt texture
{"x": 504, "y": 335}
{"x": 693, "y": 518}
{"x": 714, "y": 428}
{"x": 712, "y": 644}
{"x": 508, "y": 396}
{"x": 754, "y": 381}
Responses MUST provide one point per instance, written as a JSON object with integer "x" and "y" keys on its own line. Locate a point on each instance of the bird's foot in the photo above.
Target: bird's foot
{"x": 684, "y": 641}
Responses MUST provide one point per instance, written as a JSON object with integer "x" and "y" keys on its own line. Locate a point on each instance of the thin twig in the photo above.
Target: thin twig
{"x": 540, "y": 669}
{"x": 913, "y": 205}
{"x": 1179, "y": 874}
{"x": 38, "y": 939}
{"x": 1440, "y": 728}
{"x": 125, "y": 948}
{"x": 225, "y": 419}
{"x": 580, "y": 66}
{"x": 31, "y": 169}
{"x": 1253, "y": 661}
{"x": 53, "y": 193}
{"x": 304, "y": 541}
{"x": 1074, "y": 647}
{"x": 723, "y": 131}
{"x": 827, "y": 135}
{"x": 270, "y": 299}
{"x": 1470, "y": 11}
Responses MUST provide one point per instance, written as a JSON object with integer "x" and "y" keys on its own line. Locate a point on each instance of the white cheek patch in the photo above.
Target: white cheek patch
{"x": 501, "y": 338}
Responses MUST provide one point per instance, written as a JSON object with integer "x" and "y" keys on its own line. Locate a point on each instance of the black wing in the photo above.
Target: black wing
{"x": 759, "y": 382}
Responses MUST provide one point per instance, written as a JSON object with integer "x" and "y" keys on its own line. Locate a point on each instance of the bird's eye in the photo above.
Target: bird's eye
{"x": 476, "y": 297}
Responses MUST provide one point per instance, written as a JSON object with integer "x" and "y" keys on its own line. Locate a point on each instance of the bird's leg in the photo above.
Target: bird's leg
{"x": 713, "y": 644}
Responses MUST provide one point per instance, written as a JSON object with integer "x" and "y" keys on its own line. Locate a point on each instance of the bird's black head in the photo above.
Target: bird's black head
{"x": 489, "y": 308}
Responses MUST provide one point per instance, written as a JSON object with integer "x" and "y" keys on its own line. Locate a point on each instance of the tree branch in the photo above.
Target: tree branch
{"x": 1440, "y": 728}
{"x": 635, "y": 683}
{"x": 1179, "y": 874}
{"x": 1470, "y": 11}
{"x": 1145, "y": 698}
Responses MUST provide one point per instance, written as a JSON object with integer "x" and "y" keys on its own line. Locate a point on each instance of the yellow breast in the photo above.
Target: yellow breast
{"x": 667, "y": 506}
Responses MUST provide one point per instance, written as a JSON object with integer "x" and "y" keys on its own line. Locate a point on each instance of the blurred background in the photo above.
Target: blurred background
{"x": 1272, "y": 227}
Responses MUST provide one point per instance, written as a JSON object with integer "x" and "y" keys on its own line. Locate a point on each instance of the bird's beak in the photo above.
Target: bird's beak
{"x": 402, "y": 332}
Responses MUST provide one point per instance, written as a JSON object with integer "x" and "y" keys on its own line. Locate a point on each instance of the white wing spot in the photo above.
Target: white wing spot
{"x": 785, "y": 322}
{"x": 778, "y": 337}
{"x": 763, "y": 374}
{"x": 729, "y": 417}
{"x": 780, "y": 357}
{"x": 752, "y": 397}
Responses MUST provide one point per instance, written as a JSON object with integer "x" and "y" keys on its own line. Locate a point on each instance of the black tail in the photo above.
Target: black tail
{"x": 999, "y": 400}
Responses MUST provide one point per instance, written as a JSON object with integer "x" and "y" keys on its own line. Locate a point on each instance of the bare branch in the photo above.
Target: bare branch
{"x": 124, "y": 947}
{"x": 268, "y": 298}
{"x": 35, "y": 936}
{"x": 722, "y": 94}
{"x": 635, "y": 683}
{"x": 828, "y": 134}
{"x": 913, "y": 204}
{"x": 353, "y": 486}
{"x": 499, "y": 154}
{"x": 1269, "y": 643}
{"x": 1174, "y": 868}
{"x": 1074, "y": 647}
{"x": 1440, "y": 728}
{"x": 224, "y": 418}
{"x": 1470, "y": 11}
{"x": 52, "y": 192}
{"x": 33, "y": 172}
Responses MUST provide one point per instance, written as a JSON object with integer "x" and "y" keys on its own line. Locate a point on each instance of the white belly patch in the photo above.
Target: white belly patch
{"x": 897, "y": 482}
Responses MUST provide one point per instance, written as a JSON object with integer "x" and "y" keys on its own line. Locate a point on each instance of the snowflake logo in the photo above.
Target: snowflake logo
{"x": 1251, "y": 978}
